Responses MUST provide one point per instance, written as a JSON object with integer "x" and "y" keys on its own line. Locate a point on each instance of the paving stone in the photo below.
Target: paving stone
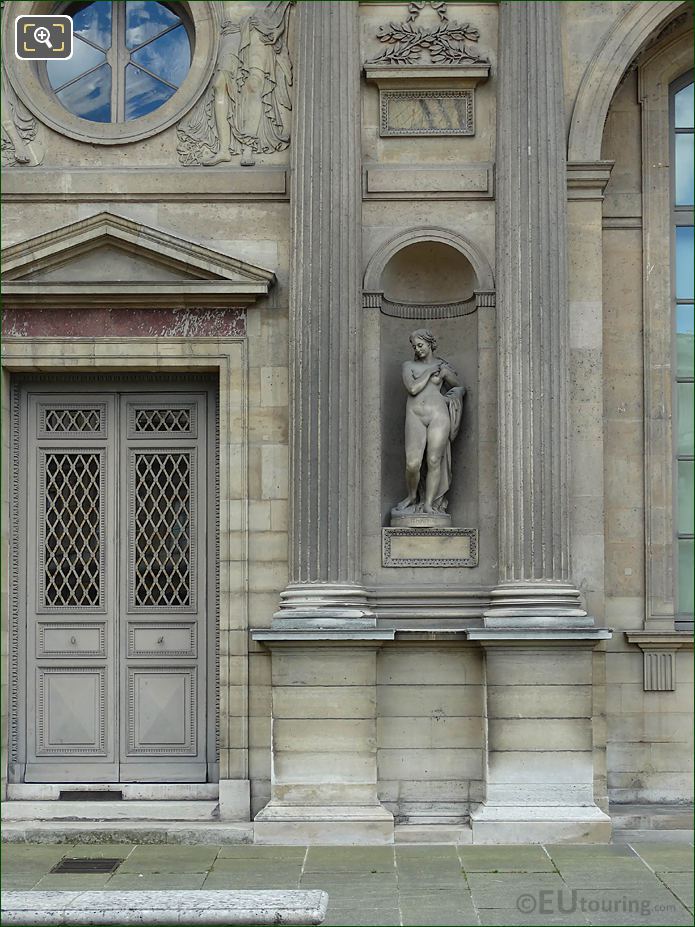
{"x": 681, "y": 884}
{"x": 666, "y": 857}
{"x": 251, "y": 881}
{"x": 155, "y": 881}
{"x": 627, "y": 907}
{"x": 347, "y": 859}
{"x": 505, "y": 859}
{"x": 507, "y": 917}
{"x": 259, "y": 851}
{"x": 594, "y": 852}
{"x": 100, "y": 851}
{"x": 18, "y": 883}
{"x": 169, "y": 859}
{"x": 432, "y": 908}
{"x": 362, "y": 915}
{"x": 73, "y": 881}
{"x": 503, "y": 890}
{"x": 608, "y": 876}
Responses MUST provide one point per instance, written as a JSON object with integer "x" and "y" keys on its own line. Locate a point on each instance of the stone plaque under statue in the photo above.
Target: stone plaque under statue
{"x": 434, "y": 409}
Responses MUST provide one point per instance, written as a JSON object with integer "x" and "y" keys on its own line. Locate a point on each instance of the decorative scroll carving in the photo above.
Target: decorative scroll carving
{"x": 246, "y": 109}
{"x": 444, "y": 43}
{"x": 19, "y": 128}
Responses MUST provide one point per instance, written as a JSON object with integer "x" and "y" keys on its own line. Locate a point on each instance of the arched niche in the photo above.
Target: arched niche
{"x": 434, "y": 278}
{"x": 605, "y": 71}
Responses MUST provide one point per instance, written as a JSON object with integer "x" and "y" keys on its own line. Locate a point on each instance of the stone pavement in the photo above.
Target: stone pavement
{"x": 646, "y": 883}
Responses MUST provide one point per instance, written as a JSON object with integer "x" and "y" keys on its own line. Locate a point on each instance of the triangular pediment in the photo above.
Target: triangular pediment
{"x": 108, "y": 256}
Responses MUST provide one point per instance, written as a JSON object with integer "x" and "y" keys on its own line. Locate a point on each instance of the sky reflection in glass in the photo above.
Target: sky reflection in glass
{"x": 146, "y": 19}
{"x": 684, "y": 262}
{"x": 684, "y": 108}
{"x": 90, "y": 96}
{"x": 84, "y": 58}
{"x": 169, "y": 56}
{"x": 684, "y": 170}
{"x": 685, "y": 339}
{"x": 143, "y": 93}
{"x": 94, "y": 23}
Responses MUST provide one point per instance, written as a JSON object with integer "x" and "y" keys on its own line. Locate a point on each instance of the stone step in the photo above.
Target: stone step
{"x": 189, "y": 833}
{"x": 433, "y": 833}
{"x": 108, "y": 810}
{"x": 654, "y": 836}
{"x": 165, "y": 907}
{"x": 651, "y": 817}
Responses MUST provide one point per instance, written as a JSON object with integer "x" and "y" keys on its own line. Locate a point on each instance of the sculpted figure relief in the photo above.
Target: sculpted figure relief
{"x": 246, "y": 108}
{"x": 432, "y": 421}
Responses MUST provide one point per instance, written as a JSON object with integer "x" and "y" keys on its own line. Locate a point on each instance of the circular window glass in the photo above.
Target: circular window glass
{"x": 128, "y": 59}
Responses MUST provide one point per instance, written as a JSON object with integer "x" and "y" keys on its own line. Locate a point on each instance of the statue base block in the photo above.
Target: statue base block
{"x": 419, "y": 546}
{"x": 403, "y": 520}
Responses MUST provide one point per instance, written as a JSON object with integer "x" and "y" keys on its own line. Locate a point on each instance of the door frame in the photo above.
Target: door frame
{"x": 146, "y": 358}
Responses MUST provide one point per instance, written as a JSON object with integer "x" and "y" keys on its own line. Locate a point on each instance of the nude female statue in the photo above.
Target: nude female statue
{"x": 432, "y": 421}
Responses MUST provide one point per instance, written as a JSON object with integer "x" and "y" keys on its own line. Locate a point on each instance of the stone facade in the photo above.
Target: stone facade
{"x": 496, "y": 173}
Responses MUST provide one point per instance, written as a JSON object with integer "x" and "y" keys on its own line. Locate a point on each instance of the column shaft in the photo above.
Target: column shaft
{"x": 532, "y": 302}
{"x": 325, "y": 300}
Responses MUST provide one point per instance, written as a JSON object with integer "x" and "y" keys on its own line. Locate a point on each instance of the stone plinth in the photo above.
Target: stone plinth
{"x": 324, "y": 785}
{"x": 540, "y": 768}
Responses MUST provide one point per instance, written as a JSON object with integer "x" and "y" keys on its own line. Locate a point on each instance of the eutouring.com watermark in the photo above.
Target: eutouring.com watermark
{"x": 571, "y": 901}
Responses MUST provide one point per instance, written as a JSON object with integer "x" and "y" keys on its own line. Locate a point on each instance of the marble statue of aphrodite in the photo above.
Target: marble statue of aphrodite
{"x": 432, "y": 421}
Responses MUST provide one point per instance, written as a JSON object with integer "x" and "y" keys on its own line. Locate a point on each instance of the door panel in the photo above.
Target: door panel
{"x": 115, "y": 497}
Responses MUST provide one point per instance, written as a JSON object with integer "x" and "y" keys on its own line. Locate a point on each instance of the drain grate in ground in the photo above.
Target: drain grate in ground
{"x": 85, "y": 864}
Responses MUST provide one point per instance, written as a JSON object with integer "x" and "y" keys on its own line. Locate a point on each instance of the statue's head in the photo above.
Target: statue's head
{"x": 424, "y": 334}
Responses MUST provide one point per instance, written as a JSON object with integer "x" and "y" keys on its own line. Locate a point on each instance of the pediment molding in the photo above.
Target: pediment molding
{"x": 180, "y": 272}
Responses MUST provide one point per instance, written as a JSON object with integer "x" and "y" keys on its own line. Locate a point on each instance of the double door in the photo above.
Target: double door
{"x": 117, "y": 506}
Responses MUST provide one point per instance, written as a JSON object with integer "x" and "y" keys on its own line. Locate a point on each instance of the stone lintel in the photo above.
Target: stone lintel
{"x": 427, "y": 75}
{"x": 288, "y": 637}
{"x": 538, "y": 637}
{"x": 160, "y": 184}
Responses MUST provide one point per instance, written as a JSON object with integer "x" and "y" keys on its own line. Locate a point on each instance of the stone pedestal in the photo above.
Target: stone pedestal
{"x": 540, "y": 766}
{"x": 324, "y": 786}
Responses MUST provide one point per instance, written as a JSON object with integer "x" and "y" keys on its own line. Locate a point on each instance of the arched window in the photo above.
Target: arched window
{"x": 684, "y": 257}
{"x": 128, "y": 59}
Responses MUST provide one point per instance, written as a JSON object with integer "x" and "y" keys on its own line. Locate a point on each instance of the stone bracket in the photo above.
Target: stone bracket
{"x": 659, "y": 656}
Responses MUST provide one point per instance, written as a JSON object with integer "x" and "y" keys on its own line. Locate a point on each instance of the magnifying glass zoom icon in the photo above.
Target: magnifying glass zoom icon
{"x": 42, "y": 35}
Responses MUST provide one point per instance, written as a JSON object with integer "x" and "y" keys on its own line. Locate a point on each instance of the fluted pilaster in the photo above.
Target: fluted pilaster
{"x": 532, "y": 306}
{"x": 325, "y": 347}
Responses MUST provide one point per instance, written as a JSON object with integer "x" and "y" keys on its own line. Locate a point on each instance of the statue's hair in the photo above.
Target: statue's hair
{"x": 426, "y": 335}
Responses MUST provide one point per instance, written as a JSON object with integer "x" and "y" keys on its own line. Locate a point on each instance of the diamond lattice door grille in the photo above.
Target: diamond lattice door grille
{"x": 72, "y": 541}
{"x": 162, "y": 526}
{"x": 79, "y": 420}
{"x": 163, "y": 420}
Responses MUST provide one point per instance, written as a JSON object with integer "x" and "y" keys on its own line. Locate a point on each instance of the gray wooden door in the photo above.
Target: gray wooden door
{"x": 118, "y": 521}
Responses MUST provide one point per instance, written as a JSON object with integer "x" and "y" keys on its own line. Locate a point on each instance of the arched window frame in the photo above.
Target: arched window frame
{"x": 681, "y": 216}
{"x": 659, "y": 69}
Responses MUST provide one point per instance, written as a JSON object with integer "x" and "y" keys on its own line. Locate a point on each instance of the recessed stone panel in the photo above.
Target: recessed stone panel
{"x": 430, "y": 547}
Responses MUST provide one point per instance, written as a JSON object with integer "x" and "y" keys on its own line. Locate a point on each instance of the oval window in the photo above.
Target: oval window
{"x": 128, "y": 59}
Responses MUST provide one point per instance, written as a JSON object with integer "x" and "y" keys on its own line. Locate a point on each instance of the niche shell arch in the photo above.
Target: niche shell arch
{"x": 423, "y": 234}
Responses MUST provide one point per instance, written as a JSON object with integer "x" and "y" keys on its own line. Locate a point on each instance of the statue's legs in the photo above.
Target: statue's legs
{"x": 437, "y": 440}
{"x": 221, "y": 111}
{"x": 415, "y": 443}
